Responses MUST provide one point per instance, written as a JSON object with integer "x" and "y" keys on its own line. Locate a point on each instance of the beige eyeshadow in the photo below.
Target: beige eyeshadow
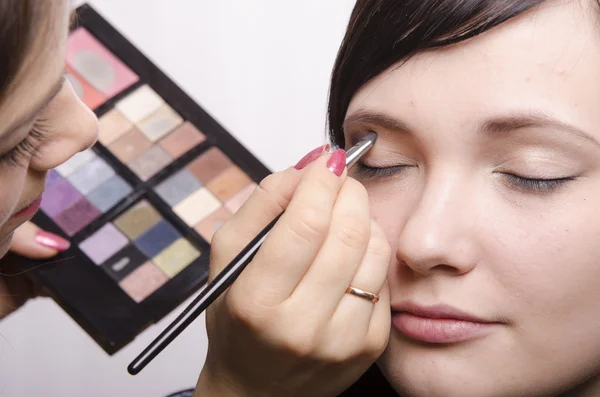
{"x": 160, "y": 123}
{"x": 228, "y": 183}
{"x": 143, "y": 281}
{"x": 236, "y": 202}
{"x": 112, "y": 126}
{"x": 130, "y": 146}
{"x": 140, "y": 104}
{"x": 197, "y": 206}
{"x": 209, "y": 165}
{"x": 138, "y": 219}
{"x": 150, "y": 162}
{"x": 212, "y": 223}
{"x": 176, "y": 257}
{"x": 182, "y": 140}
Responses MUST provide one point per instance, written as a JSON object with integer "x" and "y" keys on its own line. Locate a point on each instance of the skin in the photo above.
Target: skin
{"x": 464, "y": 230}
{"x": 39, "y": 95}
{"x": 465, "y": 234}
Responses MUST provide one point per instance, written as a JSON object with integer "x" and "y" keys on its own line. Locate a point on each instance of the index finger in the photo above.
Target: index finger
{"x": 268, "y": 200}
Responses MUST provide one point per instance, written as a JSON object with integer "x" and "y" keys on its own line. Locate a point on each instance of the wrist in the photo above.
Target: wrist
{"x": 211, "y": 384}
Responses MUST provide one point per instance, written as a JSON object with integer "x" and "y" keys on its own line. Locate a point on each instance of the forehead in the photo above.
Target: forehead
{"x": 41, "y": 68}
{"x": 548, "y": 58}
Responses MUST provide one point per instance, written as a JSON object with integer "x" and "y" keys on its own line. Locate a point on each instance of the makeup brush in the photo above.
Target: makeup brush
{"x": 226, "y": 277}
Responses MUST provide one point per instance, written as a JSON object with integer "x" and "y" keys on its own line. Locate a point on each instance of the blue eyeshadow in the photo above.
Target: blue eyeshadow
{"x": 109, "y": 193}
{"x": 159, "y": 237}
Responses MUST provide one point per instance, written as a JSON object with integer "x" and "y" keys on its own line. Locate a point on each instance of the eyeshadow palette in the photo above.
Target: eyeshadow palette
{"x": 141, "y": 206}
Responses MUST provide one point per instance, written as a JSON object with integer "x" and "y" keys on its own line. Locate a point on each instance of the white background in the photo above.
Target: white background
{"x": 261, "y": 68}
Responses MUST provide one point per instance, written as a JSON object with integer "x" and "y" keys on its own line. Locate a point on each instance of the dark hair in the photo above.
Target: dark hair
{"x": 382, "y": 33}
{"x": 21, "y": 22}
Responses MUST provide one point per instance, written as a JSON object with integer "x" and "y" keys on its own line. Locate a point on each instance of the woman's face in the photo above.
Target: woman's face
{"x": 492, "y": 205}
{"x": 42, "y": 124}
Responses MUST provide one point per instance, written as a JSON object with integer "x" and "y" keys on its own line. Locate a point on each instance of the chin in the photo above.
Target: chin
{"x": 416, "y": 369}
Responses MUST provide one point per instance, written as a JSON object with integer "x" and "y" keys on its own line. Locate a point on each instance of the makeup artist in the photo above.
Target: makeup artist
{"x": 43, "y": 124}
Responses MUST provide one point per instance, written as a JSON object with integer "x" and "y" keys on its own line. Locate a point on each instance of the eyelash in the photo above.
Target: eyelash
{"x": 366, "y": 172}
{"x": 27, "y": 147}
{"x": 528, "y": 184}
{"x": 537, "y": 185}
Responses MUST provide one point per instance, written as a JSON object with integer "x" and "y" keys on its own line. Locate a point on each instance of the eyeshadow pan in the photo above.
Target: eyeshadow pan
{"x": 109, "y": 193}
{"x": 124, "y": 262}
{"x": 52, "y": 179}
{"x": 176, "y": 257}
{"x": 138, "y": 219}
{"x": 97, "y": 65}
{"x": 177, "y": 187}
{"x": 88, "y": 94}
{"x": 112, "y": 126}
{"x": 209, "y": 165}
{"x": 140, "y": 104}
{"x": 148, "y": 164}
{"x": 236, "y": 202}
{"x": 208, "y": 227}
{"x": 228, "y": 183}
{"x": 88, "y": 177}
{"x": 159, "y": 237}
{"x": 160, "y": 123}
{"x": 130, "y": 146}
{"x": 76, "y": 217}
{"x": 79, "y": 159}
{"x": 103, "y": 244}
{"x": 197, "y": 206}
{"x": 182, "y": 140}
{"x": 143, "y": 281}
{"x": 59, "y": 197}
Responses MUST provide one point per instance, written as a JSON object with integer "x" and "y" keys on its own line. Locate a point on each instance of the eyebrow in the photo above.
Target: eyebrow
{"x": 500, "y": 125}
{"x": 32, "y": 116}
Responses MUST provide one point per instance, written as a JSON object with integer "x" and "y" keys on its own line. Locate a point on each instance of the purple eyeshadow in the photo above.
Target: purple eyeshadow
{"x": 78, "y": 216}
{"x": 103, "y": 244}
{"x": 59, "y": 197}
{"x": 52, "y": 179}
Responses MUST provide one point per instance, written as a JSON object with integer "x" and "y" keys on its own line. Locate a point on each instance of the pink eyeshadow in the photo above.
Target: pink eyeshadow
{"x": 98, "y": 66}
{"x": 236, "y": 202}
{"x": 143, "y": 281}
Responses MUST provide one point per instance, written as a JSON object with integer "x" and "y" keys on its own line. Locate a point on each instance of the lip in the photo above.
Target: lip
{"x": 440, "y": 324}
{"x": 30, "y": 209}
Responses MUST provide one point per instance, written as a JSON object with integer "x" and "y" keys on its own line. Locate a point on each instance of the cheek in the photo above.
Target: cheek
{"x": 9, "y": 198}
{"x": 545, "y": 269}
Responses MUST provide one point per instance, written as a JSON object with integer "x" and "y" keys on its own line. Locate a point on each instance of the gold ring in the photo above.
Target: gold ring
{"x": 363, "y": 294}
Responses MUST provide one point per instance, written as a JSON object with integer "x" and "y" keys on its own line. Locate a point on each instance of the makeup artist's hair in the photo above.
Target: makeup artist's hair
{"x": 21, "y": 23}
{"x": 383, "y": 33}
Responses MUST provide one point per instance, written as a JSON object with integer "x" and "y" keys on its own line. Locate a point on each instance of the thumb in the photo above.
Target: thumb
{"x": 34, "y": 243}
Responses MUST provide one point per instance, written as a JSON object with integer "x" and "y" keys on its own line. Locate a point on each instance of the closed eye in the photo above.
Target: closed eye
{"x": 24, "y": 149}
{"x": 364, "y": 171}
{"x": 537, "y": 185}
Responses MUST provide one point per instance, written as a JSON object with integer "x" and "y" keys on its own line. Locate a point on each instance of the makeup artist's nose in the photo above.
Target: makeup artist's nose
{"x": 439, "y": 235}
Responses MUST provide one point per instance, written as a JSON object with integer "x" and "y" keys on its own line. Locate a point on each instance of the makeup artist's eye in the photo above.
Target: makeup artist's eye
{"x": 536, "y": 185}
{"x": 364, "y": 171}
{"x": 25, "y": 149}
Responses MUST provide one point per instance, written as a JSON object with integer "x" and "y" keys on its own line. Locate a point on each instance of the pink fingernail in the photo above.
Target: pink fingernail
{"x": 337, "y": 162}
{"x": 51, "y": 240}
{"x": 311, "y": 156}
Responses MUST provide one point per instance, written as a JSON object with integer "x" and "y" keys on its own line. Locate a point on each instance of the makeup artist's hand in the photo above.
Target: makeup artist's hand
{"x": 286, "y": 327}
{"x": 34, "y": 243}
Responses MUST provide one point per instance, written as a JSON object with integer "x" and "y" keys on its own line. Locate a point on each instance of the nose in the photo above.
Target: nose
{"x": 440, "y": 235}
{"x": 73, "y": 127}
